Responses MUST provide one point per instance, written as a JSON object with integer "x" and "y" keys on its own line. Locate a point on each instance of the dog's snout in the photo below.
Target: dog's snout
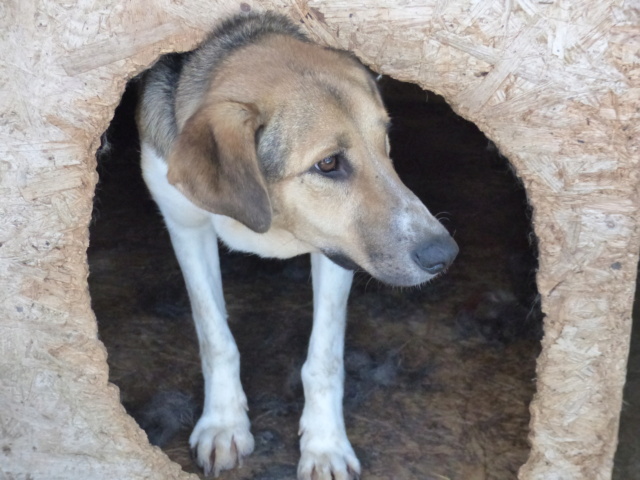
{"x": 434, "y": 256}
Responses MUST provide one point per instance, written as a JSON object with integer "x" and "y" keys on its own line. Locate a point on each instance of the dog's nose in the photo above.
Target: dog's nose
{"x": 435, "y": 256}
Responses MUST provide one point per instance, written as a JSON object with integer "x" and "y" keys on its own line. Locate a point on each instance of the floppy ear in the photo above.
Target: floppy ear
{"x": 213, "y": 162}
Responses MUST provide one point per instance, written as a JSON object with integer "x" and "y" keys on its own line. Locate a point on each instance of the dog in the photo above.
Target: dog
{"x": 279, "y": 147}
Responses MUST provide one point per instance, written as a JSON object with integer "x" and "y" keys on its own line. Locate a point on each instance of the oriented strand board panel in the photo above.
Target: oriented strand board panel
{"x": 554, "y": 84}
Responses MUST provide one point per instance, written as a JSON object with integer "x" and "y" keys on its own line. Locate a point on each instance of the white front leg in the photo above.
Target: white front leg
{"x": 326, "y": 453}
{"x": 222, "y": 435}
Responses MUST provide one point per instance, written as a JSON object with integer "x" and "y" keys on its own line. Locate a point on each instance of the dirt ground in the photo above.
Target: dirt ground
{"x": 439, "y": 378}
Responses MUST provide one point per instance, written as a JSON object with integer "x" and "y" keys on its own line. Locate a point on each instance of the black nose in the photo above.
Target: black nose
{"x": 435, "y": 255}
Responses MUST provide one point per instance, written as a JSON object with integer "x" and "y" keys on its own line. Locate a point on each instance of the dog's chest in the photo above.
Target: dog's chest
{"x": 275, "y": 243}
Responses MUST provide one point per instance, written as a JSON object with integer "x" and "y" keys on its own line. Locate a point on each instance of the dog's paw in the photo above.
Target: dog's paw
{"x": 220, "y": 446}
{"x": 337, "y": 462}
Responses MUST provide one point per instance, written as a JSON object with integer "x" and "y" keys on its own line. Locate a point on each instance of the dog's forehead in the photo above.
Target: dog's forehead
{"x": 325, "y": 103}
{"x": 345, "y": 82}
{"x": 281, "y": 71}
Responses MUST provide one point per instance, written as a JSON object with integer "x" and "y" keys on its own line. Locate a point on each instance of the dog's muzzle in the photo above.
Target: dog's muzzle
{"x": 436, "y": 255}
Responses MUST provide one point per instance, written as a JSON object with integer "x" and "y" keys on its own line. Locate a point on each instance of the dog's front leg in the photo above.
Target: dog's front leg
{"x": 326, "y": 453}
{"x": 221, "y": 437}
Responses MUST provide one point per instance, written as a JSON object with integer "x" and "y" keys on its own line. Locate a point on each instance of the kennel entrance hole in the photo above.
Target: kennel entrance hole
{"x": 403, "y": 347}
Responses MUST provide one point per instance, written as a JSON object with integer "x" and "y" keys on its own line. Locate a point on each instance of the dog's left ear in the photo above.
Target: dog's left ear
{"x": 214, "y": 163}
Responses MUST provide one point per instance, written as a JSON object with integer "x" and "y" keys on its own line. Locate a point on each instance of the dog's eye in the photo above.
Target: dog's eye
{"x": 329, "y": 164}
{"x": 335, "y": 167}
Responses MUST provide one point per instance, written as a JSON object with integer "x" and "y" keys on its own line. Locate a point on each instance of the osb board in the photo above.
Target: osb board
{"x": 554, "y": 84}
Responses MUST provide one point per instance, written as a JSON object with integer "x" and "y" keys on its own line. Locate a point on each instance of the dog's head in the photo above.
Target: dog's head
{"x": 293, "y": 136}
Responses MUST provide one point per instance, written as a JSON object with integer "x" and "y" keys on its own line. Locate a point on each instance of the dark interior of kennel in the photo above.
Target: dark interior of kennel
{"x": 439, "y": 378}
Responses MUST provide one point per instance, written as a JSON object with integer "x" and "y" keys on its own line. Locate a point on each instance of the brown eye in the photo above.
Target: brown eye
{"x": 328, "y": 164}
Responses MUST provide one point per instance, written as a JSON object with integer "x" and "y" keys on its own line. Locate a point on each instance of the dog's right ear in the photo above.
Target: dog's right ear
{"x": 214, "y": 163}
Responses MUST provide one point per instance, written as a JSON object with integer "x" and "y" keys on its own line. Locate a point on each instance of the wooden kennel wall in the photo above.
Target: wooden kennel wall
{"x": 554, "y": 83}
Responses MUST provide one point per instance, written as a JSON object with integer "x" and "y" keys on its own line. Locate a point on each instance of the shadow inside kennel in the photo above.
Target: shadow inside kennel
{"x": 439, "y": 378}
{"x": 627, "y": 459}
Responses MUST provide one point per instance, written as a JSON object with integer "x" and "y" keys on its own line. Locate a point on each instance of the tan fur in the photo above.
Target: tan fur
{"x": 213, "y": 163}
{"x": 356, "y": 214}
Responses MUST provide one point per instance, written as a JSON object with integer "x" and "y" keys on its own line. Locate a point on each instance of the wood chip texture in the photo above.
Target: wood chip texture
{"x": 553, "y": 84}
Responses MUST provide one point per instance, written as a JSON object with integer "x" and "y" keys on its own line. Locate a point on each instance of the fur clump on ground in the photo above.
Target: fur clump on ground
{"x": 165, "y": 415}
{"x": 500, "y": 318}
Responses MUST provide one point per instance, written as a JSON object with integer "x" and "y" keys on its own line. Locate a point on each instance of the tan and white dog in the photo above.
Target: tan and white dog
{"x": 279, "y": 147}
